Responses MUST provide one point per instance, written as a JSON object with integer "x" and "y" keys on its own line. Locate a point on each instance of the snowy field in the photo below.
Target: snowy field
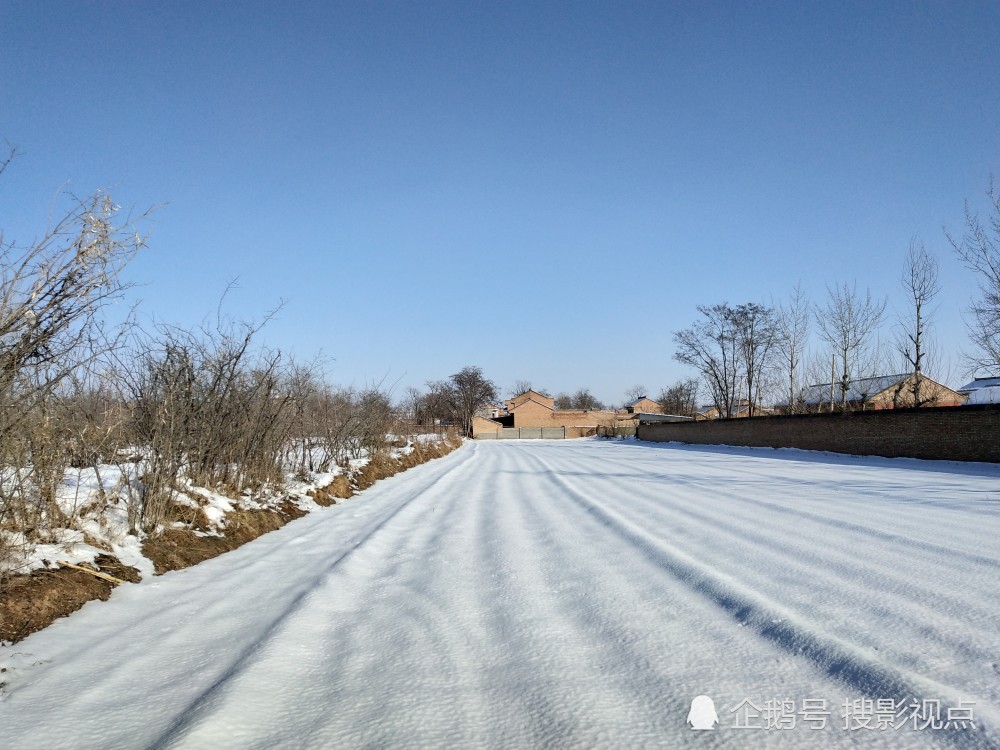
{"x": 563, "y": 594}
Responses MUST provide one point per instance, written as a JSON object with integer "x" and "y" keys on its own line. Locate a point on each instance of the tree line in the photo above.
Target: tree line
{"x": 162, "y": 408}
{"x": 748, "y": 353}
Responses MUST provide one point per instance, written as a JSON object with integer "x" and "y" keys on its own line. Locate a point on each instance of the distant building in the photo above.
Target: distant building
{"x": 982, "y": 390}
{"x": 741, "y": 409}
{"x": 643, "y": 405}
{"x": 880, "y": 392}
{"x": 534, "y": 409}
{"x": 641, "y": 418}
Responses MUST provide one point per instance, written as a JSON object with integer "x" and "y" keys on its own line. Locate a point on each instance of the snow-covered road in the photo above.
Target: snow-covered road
{"x": 563, "y": 594}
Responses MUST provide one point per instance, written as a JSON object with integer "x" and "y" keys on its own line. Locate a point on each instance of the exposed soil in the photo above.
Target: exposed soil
{"x": 30, "y": 602}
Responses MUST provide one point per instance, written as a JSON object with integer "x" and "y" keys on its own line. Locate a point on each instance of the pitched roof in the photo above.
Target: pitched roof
{"x": 514, "y": 405}
{"x": 975, "y": 385}
{"x": 529, "y": 394}
{"x": 858, "y": 390}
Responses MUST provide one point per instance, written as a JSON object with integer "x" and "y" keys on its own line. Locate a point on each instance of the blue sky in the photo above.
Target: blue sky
{"x": 546, "y": 190}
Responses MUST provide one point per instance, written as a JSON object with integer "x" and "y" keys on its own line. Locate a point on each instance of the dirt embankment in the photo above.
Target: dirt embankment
{"x": 28, "y": 603}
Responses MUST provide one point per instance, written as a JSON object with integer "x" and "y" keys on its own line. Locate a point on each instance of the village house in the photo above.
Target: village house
{"x": 643, "y": 405}
{"x": 534, "y": 409}
{"x": 982, "y": 390}
{"x": 881, "y": 392}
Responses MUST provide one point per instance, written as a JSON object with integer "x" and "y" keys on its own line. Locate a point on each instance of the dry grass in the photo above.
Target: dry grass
{"x": 338, "y": 489}
{"x": 386, "y": 466}
{"x": 174, "y": 549}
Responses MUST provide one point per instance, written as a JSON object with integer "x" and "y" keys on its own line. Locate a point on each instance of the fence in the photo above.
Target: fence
{"x": 958, "y": 433}
{"x": 524, "y": 433}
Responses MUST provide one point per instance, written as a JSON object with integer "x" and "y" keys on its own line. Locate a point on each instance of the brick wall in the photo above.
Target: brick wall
{"x": 962, "y": 433}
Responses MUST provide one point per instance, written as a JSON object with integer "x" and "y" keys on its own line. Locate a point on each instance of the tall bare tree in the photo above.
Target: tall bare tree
{"x": 51, "y": 294}
{"x": 756, "y": 330}
{"x": 847, "y": 324}
{"x": 52, "y": 291}
{"x": 793, "y": 321}
{"x": 635, "y": 392}
{"x": 979, "y": 250}
{"x": 436, "y": 404}
{"x": 731, "y": 347}
{"x": 921, "y": 284}
{"x": 711, "y": 346}
{"x": 470, "y": 391}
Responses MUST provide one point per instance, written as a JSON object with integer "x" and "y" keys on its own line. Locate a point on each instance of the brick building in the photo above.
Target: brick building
{"x": 533, "y": 409}
{"x": 882, "y": 392}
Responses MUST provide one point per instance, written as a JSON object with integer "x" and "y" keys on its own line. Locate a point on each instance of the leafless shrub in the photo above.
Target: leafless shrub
{"x": 51, "y": 294}
{"x": 213, "y": 408}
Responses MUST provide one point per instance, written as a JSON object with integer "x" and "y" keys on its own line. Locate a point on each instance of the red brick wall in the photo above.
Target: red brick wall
{"x": 961, "y": 433}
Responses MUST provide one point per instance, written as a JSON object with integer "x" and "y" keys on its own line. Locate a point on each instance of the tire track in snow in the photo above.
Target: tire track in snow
{"x": 781, "y": 627}
{"x": 887, "y": 590}
{"x": 202, "y": 702}
{"x": 797, "y": 511}
{"x": 561, "y": 686}
{"x": 892, "y": 581}
{"x": 612, "y": 625}
{"x": 370, "y": 615}
{"x": 669, "y": 636}
{"x": 949, "y": 553}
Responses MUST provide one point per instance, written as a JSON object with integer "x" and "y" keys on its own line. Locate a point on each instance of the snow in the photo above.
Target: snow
{"x": 574, "y": 593}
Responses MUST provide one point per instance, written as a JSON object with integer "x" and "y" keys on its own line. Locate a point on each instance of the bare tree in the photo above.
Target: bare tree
{"x": 584, "y": 400}
{"x": 712, "y": 347}
{"x": 470, "y": 391}
{"x": 681, "y": 398}
{"x": 409, "y": 404}
{"x": 979, "y": 250}
{"x": 212, "y": 407}
{"x": 563, "y": 401}
{"x": 731, "y": 347}
{"x": 756, "y": 331}
{"x": 52, "y": 292}
{"x": 847, "y": 324}
{"x": 436, "y": 404}
{"x": 921, "y": 284}
{"x": 635, "y": 392}
{"x": 793, "y": 333}
{"x": 520, "y": 386}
